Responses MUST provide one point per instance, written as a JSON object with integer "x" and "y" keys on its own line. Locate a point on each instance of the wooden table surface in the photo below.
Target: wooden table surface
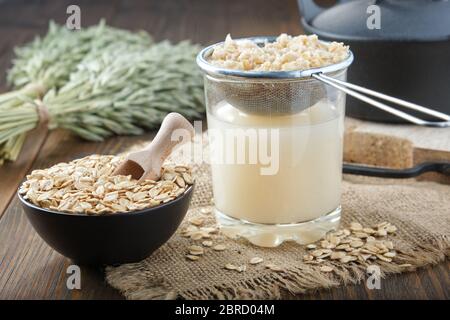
{"x": 29, "y": 269}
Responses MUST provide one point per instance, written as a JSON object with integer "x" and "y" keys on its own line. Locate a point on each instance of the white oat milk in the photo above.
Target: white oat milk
{"x": 305, "y": 176}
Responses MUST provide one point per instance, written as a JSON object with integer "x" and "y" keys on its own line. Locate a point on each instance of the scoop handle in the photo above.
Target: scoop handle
{"x": 174, "y": 130}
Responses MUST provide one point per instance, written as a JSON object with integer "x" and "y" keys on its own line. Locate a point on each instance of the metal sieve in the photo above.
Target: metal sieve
{"x": 287, "y": 92}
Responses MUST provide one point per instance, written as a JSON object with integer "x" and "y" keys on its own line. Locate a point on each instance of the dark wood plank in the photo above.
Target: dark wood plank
{"x": 12, "y": 173}
{"x": 206, "y": 21}
{"x": 29, "y": 269}
{"x": 431, "y": 282}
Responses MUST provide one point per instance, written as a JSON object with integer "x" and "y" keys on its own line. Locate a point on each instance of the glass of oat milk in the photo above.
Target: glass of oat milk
{"x": 276, "y": 140}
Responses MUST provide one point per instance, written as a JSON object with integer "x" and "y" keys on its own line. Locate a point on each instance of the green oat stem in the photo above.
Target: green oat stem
{"x": 108, "y": 88}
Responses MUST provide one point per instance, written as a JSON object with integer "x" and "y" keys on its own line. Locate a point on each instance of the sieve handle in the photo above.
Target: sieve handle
{"x": 353, "y": 90}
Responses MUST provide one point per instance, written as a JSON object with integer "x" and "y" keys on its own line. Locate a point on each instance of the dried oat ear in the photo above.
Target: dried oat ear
{"x": 146, "y": 164}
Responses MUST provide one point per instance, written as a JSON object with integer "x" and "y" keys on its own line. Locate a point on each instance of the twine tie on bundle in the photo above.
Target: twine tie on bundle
{"x": 43, "y": 113}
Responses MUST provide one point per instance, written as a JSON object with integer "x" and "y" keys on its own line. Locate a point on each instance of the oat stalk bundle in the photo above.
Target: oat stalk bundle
{"x": 120, "y": 86}
{"x": 48, "y": 61}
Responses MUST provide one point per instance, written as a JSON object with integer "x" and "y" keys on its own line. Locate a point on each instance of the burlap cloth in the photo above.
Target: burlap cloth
{"x": 420, "y": 210}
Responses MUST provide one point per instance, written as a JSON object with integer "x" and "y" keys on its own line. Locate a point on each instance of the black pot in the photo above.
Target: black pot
{"x": 108, "y": 239}
{"x": 408, "y": 57}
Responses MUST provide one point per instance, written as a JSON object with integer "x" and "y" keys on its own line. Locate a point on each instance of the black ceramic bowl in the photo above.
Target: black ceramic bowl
{"x": 109, "y": 239}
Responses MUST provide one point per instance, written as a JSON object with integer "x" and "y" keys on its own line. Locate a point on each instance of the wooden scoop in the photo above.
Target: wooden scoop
{"x": 146, "y": 164}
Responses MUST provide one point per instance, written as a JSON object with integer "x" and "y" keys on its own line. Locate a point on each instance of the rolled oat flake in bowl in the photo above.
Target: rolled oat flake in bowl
{"x": 87, "y": 186}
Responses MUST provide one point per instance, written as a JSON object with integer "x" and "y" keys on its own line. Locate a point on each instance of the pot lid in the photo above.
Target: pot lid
{"x": 407, "y": 20}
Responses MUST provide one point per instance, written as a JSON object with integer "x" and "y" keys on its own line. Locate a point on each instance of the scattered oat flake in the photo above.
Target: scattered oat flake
{"x": 356, "y": 244}
{"x": 256, "y": 260}
{"x": 230, "y": 266}
{"x": 383, "y": 258}
{"x": 326, "y": 269}
{"x": 205, "y": 210}
{"x": 317, "y": 253}
{"x": 337, "y": 255}
{"x": 209, "y": 229}
{"x": 308, "y": 257}
{"x": 274, "y": 267}
{"x": 355, "y": 226}
{"x": 219, "y": 247}
{"x": 390, "y": 254}
{"x": 207, "y": 243}
{"x": 391, "y": 229}
{"x": 192, "y": 257}
{"x": 196, "y": 253}
{"x": 405, "y": 265}
{"x": 347, "y": 259}
{"x": 241, "y": 268}
{"x": 197, "y": 221}
{"x": 196, "y": 236}
{"x": 195, "y": 248}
